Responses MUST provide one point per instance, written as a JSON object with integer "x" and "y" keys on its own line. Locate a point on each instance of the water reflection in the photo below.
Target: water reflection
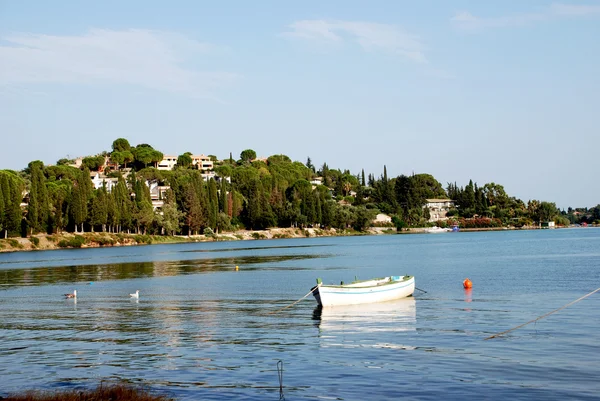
{"x": 10, "y": 278}
{"x": 398, "y": 315}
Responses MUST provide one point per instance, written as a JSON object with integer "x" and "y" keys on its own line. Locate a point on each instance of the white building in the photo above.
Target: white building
{"x": 167, "y": 163}
{"x": 438, "y": 208}
{"x": 98, "y": 180}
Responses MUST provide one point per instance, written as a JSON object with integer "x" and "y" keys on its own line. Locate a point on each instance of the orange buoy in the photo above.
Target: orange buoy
{"x": 467, "y": 283}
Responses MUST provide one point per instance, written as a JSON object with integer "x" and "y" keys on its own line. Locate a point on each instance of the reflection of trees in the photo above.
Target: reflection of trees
{"x": 122, "y": 271}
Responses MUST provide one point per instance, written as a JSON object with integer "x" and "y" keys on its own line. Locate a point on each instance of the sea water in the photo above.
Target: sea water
{"x": 204, "y": 330}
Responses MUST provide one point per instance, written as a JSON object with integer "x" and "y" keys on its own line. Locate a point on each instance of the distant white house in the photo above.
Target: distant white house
{"x": 382, "y": 218}
{"x": 438, "y": 208}
{"x": 98, "y": 180}
{"x": 167, "y": 163}
{"x": 202, "y": 162}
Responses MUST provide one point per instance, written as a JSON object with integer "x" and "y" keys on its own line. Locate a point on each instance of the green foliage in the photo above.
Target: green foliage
{"x": 247, "y": 155}
{"x": 275, "y": 193}
{"x": 121, "y": 145}
{"x": 76, "y": 241}
{"x": 185, "y": 160}
{"x": 35, "y": 241}
{"x": 143, "y": 239}
{"x": 14, "y": 243}
{"x": 64, "y": 162}
{"x": 93, "y": 163}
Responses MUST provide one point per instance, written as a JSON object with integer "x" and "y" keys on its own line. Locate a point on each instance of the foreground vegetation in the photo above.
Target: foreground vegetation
{"x": 247, "y": 193}
{"x": 116, "y": 392}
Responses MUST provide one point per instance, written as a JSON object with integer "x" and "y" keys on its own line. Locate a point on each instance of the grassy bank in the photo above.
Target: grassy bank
{"x": 97, "y": 240}
{"x": 120, "y": 392}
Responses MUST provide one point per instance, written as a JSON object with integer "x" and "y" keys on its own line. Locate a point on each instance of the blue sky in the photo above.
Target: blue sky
{"x": 505, "y": 92}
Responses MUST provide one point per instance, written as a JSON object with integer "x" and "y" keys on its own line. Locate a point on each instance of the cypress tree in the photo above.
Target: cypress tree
{"x": 15, "y": 215}
{"x": 213, "y": 204}
{"x": 1, "y": 211}
{"x": 38, "y": 207}
{"x": 223, "y": 197}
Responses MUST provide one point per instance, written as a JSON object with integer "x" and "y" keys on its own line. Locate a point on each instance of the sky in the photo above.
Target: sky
{"x": 505, "y": 92}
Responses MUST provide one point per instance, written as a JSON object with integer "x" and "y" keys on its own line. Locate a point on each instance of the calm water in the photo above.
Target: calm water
{"x": 203, "y": 331}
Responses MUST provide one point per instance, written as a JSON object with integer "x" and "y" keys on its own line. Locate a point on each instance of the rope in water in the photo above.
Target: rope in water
{"x": 294, "y": 303}
{"x": 543, "y": 316}
{"x": 280, "y": 374}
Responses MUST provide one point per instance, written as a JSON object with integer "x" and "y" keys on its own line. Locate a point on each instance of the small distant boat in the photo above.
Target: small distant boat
{"x": 365, "y": 291}
{"x": 437, "y": 230}
{"x": 73, "y": 295}
{"x": 135, "y": 295}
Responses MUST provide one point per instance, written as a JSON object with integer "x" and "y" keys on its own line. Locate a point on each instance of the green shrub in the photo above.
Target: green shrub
{"x": 258, "y": 236}
{"x": 35, "y": 241}
{"x": 104, "y": 241}
{"x": 75, "y": 242}
{"x": 142, "y": 239}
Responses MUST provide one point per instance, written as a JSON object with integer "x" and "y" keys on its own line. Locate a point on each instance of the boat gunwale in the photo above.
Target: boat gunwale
{"x": 389, "y": 281}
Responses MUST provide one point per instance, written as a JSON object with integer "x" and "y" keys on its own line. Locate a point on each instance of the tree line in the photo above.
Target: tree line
{"x": 245, "y": 193}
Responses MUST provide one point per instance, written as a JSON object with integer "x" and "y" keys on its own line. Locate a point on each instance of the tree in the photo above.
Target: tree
{"x": 143, "y": 154}
{"x": 213, "y": 204}
{"x": 309, "y": 165}
{"x": 38, "y": 207}
{"x": 117, "y": 157}
{"x": 170, "y": 218}
{"x": 193, "y": 212}
{"x": 121, "y": 145}
{"x": 248, "y": 155}
{"x": 99, "y": 209}
{"x": 127, "y": 157}
{"x": 59, "y": 193}
{"x": 93, "y": 163}
{"x": 1, "y": 211}
{"x": 82, "y": 191}
{"x": 184, "y": 160}
{"x": 12, "y": 187}
{"x": 547, "y": 211}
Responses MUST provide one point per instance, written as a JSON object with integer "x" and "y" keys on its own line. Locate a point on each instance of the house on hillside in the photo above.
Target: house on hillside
{"x": 201, "y": 162}
{"x": 99, "y": 179}
{"x": 167, "y": 163}
{"x": 438, "y": 208}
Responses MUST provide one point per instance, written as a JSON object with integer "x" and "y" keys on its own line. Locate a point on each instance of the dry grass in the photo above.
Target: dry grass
{"x": 116, "y": 392}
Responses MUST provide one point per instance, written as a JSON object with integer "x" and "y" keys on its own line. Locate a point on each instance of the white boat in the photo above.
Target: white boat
{"x": 437, "y": 230}
{"x": 365, "y": 291}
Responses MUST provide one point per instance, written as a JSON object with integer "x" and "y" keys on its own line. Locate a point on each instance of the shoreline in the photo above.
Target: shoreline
{"x": 45, "y": 242}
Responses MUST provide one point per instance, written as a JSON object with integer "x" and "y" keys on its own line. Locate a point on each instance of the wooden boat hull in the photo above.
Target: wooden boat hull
{"x": 364, "y": 292}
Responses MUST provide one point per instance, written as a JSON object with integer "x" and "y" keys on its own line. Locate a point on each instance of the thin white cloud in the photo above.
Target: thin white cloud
{"x": 143, "y": 58}
{"x": 370, "y": 36}
{"x": 469, "y": 22}
{"x": 574, "y": 9}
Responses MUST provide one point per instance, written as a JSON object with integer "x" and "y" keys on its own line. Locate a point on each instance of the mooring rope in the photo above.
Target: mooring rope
{"x": 294, "y": 303}
{"x": 421, "y": 290}
{"x": 280, "y": 374}
{"x": 543, "y": 316}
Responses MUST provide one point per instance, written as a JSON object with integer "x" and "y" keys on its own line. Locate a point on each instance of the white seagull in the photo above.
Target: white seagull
{"x": 136, "y": 294}
{"x": 73, "y": 295}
